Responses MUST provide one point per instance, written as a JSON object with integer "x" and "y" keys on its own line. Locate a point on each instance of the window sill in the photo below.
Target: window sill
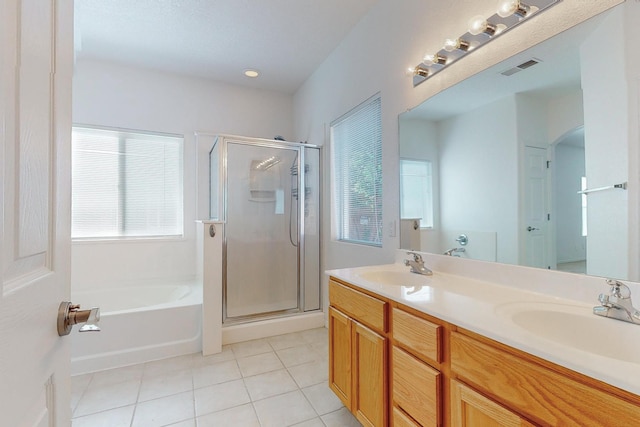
{"x": 127, "y": 240}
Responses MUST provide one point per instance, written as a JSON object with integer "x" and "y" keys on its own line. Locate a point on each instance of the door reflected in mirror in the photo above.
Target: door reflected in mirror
{"x": 503, "y": 156}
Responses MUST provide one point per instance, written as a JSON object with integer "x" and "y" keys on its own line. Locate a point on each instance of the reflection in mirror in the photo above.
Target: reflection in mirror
{"x": 509, "y": 150}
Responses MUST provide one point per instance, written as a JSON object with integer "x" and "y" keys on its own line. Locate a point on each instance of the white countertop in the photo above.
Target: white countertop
{"x": 489, "y": 309}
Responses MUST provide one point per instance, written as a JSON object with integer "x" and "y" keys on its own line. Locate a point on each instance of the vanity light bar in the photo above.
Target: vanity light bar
{"x": 481, "y": 31}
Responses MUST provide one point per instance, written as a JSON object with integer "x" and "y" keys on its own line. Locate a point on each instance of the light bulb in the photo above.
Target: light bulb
{"x": 434, "y": 59}
{"x": 452, "y": 44}
{"x": 507, "y": 8}
{"x": 419, "y": 71}
{"x": 479, "y": 25}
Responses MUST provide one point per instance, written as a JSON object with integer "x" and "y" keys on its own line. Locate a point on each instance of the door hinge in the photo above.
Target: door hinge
{"x": 548, "y": 217}
{"x": 548, "y": 163}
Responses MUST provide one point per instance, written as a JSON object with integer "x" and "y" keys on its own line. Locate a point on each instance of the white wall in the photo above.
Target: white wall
{"x": 107, "y": 94}
{"x": 564, "y": 114}
{"x": 479, "y": 174}
{"x": 606, "y": 117}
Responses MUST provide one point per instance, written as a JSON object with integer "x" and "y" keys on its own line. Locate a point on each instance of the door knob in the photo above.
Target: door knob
{"x": 530, "y": 228}
{"x": 70, "y": 314}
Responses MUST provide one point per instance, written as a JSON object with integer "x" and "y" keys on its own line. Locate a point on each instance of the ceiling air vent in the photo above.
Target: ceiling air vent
{"x": 518, "y": 68}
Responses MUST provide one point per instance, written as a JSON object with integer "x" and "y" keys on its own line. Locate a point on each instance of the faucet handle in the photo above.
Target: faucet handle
{"x": 416, "y": 256}
{"x": 618, "y": 289}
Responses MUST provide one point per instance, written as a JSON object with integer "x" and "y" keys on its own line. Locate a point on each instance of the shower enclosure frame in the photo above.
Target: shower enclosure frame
{"x": 223, "y": 200}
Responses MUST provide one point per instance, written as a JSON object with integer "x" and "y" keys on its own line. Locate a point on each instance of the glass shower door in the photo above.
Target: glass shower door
{"x": 262, "y": 261}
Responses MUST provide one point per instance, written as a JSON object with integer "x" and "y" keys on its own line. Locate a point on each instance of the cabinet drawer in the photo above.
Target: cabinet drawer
{"x": 545, "y": 396}
{"x": 400, "y": 419}
{"x": 416, "y": 388}
{"x": 364, "y": 308}
{"x": 469, "y": 409}
{"x": 420, "y": 336}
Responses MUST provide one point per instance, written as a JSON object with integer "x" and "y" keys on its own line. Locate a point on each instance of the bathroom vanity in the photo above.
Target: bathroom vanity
{"x": 412, "y": 350}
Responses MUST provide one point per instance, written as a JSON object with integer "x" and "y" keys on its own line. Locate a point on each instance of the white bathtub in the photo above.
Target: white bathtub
{"x": 139, "y": 324}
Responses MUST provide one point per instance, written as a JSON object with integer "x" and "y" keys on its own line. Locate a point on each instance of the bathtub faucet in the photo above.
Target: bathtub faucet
{"x": 451, "y": 251}
{"x": 70, "y": 314}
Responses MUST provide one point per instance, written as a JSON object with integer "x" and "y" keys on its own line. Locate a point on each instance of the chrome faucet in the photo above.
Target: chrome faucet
{"x": 452, "y": 250}
{"x": 417, "y": 264}
{"x": 617, "y": 305}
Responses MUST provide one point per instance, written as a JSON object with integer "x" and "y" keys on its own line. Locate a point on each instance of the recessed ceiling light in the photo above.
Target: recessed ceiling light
{"x": 251, "y": 73}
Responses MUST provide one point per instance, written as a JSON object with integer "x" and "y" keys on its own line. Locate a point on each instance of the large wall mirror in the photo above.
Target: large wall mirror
{"x": 491, "y": 168}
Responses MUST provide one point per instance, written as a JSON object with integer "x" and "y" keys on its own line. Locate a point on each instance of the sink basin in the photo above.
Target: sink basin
{"x": 398, "y": 278}
{"x": 576, "y": 326}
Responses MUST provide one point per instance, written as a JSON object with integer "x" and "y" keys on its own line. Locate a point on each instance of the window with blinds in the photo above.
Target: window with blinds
{"x": 125, "y": 184}
{"x": 357, "y": 166}
{"x": 416, "y": 191}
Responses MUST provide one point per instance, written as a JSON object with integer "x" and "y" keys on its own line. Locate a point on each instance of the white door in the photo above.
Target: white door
{"x": 36, "y": 60}
{"x": 535, "y": 207}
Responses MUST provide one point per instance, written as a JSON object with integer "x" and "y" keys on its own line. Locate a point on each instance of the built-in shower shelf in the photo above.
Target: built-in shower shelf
{"x": 262, "y": 195}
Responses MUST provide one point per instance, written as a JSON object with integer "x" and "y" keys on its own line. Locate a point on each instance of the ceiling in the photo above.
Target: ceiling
{"x": 286, "y": 40}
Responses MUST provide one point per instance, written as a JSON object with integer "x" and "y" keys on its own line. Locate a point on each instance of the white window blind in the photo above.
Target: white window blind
{"x": 357, "y": 159}
{"x": 416, "y": 191}
{"x": 125, "y": 184}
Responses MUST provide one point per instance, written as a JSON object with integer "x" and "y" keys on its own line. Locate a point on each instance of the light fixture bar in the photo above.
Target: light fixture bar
{"x": 483, "y": 31}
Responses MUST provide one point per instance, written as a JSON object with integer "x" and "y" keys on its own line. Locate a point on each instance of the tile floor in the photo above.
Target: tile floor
{"x": 278, "y": 381}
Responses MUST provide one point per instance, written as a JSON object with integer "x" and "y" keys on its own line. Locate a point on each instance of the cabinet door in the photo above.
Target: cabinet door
{"x": 369, "y": 376}
{"x": 340, "y": 356}
{"x": 469, "y": 409}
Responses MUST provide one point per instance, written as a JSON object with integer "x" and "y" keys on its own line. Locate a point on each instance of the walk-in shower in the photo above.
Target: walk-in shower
{"x": 267, "y": 193}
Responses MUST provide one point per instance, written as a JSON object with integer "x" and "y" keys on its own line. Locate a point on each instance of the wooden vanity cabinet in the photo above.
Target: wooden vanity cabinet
{"x": 358, "y": 353}
{"x": 394, "y": 365}
{"x": 538, "y": 390}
